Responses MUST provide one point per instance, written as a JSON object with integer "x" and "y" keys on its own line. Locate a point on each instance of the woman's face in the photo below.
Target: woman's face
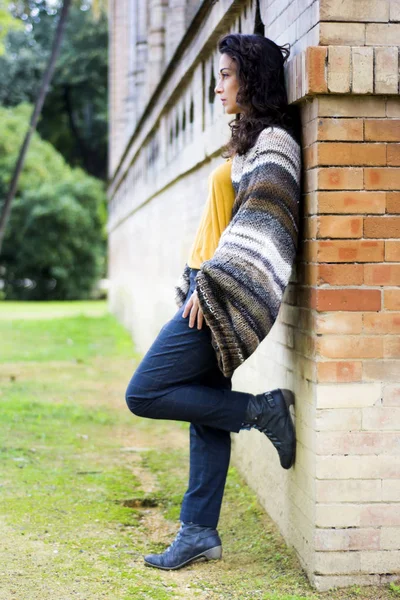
{"x": 228, "y": 85}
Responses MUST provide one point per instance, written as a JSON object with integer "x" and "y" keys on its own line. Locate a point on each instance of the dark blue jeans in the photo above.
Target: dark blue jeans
{"x": 179, "y": 379}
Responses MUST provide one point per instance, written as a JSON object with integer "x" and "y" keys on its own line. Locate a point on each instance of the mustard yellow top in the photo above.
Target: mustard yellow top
{"x": 216, "y": 215}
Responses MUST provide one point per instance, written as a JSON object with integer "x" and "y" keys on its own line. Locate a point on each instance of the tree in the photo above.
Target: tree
{"x": 54, "y": 247}
{"x": 74, "y": 115}
{"x": 6, "y": 208}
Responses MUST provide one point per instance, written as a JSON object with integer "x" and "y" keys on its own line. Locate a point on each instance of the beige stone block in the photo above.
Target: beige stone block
{"x": 349, "y": 490}
{"x": 357, "y": 443}
{"x": 347, "y": 539}
{"x": 379, "y": 34}
{"x": 341, "y": 34}
{"x": 390, "y": 538}
{"x": 348, "y": 395}
{"x": 356, "y": 10}
{"x": 362, "y": 70}
{"x": 338, "y": 515}
{"x": 380, "y": 515}
{"x": 378, "y": 418}
{"x": 387, "y": 70}
{"x": 380, "y": 562}
{"x": 339, "y": 69}
{"x": 351, "y": 106}
{"x": 339, "y": 419}
{"x": 358, "y": 467}
{"x": 394, "y": 10}
{"x": 348, "y": 467}
{"x": 330, "y": 563}
{"x": 391, "y": 490}
{"x": 391, "y": 395}
{"x": 393, "y": 106}
{"x": 324, "y": 583}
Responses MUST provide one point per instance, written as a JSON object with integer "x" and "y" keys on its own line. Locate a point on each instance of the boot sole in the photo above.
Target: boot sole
{"x": 211, "y": 554}
{"x": 289, "y": 398}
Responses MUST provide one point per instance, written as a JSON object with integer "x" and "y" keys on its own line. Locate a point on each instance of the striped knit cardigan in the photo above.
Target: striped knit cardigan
{"x": 240, "y": 288}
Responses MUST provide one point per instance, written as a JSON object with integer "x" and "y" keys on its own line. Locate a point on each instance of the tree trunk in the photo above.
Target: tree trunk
{"x": 48, "y": 74}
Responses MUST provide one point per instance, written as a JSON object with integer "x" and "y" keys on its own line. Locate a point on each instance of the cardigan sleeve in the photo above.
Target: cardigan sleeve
{"x": 240, "y": 288}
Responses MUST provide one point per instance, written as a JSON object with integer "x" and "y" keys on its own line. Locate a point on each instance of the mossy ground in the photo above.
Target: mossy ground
{"x": 86, "y": 488}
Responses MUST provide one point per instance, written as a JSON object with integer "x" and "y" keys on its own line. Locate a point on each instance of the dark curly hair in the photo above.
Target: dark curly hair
{"x": 262, "y": 94}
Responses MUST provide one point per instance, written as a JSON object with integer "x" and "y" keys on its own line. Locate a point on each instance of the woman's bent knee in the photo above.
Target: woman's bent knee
{"x": 138, "y": 405}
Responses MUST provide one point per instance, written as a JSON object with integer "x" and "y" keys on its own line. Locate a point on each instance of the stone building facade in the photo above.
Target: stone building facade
{"x": 336, "y": 342}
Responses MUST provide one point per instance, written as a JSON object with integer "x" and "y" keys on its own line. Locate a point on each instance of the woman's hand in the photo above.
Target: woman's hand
{"x": 193, "y": 307}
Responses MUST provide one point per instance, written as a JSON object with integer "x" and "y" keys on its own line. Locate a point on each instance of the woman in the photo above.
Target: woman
{"x": 229, "y": 294}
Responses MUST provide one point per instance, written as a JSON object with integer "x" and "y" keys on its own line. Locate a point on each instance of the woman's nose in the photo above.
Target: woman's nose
{"x": 217, "y": 89}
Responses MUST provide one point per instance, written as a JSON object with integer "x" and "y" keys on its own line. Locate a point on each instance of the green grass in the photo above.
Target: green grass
{"x": 86, "y": 488}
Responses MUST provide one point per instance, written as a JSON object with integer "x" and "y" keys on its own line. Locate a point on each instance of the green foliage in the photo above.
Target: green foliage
{"x": 7, "y": 23}
{"x": 395, "y": 589}
{"x": 74, "y": 116}
{"x": 55, "y": 239}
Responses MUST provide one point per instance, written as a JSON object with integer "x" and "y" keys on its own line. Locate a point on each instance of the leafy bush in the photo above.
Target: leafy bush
{"x": 54, "y": 247}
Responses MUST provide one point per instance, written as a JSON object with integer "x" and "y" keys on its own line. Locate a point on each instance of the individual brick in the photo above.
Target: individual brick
{"x": 340, "y": 274}
{"x": 310, "y": 133}
{"x": 381, "y": 370}
{"x": 348, "y": 299}
{"x": 393, "y": 106}
{"x": 381, "y": 179}
{"x": 362, "y": 70}
{"x": 338, "y": 323}
{"x": 381, "y": 322}
{"x": 316, "y": 57}
{"x": 352, "y": 202}
{"x": 359, "y": 443}
{"x": 391, "y": 346}
{"x": 337, "y": 251}
{"x": 391, "y": 396}
{"x": 394, "y": 10}
{"x": 380, "y": 515}
{"x": 382, "y": 227}
{"x": 382, "y": 274}
{"x": 334, "y": 178}
{"x": 339, "y": 69}
{"x": 340, "y": 372}
{"x": 341, "y": 34}
{"x": 310, "y": 228}
{"x": 334, "y": 514}
{"x": 391, "y": 490}
{"x": 362, "y": 10}
{"x": 350, "y": 467}
{"x": 381, "y": 418}
{"x": 391, "y": 299}
{"x": 340, "y": 227}
{"x": 381, "y": 562}
{"x": 324, "y": 583}
{"x": 386, "y": 74}
{"x": 393, "y": 155}
{"x": 346, "y": 130}
{"x": 348, "y": 490}
{"x": 347, "y": 539}
{"x": 393, "y": 202}
{"x": 343, "y": 153}
{"x": 353, "y": 395}
{"x": 382, "y": 34}
{"x": 351, "y": 106}
{"x": 349, "y": 346}
{"x": 390, "y": 538}
{"x": 382, "y": 130}
{"x": 338, "y": 419}
{"x": 392, "y": 251}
